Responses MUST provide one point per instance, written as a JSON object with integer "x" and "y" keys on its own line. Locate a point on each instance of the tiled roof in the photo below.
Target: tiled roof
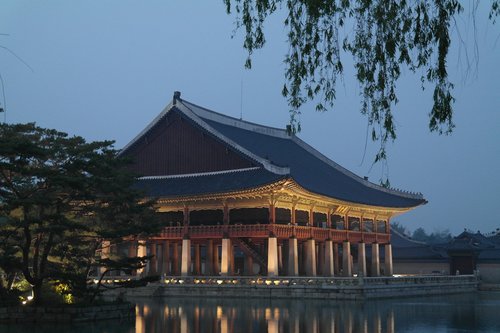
{"x": 206, "y": 183}
{"x": 279, "y": 155}
{"x": 307, "y": 167}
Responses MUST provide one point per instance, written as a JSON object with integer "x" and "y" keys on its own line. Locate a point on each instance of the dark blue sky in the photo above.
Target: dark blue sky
{"x": 105, "y": 69}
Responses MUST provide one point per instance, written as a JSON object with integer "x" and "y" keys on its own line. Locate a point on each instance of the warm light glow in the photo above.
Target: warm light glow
{"x": 277, "y": 282}
{"x": 220, "y": 281}
{"x": 268, "y": 282}
{"x": 219, "y": 312}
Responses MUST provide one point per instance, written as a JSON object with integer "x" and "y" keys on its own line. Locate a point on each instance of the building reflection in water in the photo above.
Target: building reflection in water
{"x": 437, "y": 314}
{"x": 249, "y": 316}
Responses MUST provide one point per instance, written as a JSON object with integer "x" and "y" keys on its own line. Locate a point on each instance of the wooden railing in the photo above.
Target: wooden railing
{"x": 278, "y": 230}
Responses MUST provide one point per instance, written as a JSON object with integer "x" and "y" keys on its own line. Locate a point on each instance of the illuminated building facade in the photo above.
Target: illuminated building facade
{"x": 239, "y": 198}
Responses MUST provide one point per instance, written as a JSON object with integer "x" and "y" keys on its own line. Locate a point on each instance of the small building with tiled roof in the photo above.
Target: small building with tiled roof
{"x": 242, "y": 198}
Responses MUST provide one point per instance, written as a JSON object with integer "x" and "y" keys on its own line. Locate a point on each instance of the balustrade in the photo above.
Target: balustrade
{"x": 279, "y": 230}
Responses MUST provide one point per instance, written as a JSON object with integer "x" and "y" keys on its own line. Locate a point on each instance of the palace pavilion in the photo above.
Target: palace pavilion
{"x": 238, "y": 198}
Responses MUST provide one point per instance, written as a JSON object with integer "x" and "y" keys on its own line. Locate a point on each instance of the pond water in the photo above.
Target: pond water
{"x": 472, "y": 312}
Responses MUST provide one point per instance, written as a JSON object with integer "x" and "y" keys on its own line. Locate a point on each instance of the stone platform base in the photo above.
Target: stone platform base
{"x": 303, "y": 287}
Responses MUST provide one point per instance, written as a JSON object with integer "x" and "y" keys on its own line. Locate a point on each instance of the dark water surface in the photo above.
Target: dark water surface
{"x": 472, "y": 312}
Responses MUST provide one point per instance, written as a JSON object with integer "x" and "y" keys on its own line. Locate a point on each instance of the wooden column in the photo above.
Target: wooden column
{"x": 293, "y": 257}
{"x": 293, "y": 219}
{"x": 329, "y": 219}
{"x": 225, "y": 217}
{"x": 166, "y": 258}
{"x": 272, "y": 213}
{"x": 346, "y": 259}
{"x": 361, "y": 259}
{"x": 375, "y": 260}
{"x": 311, "y": 216}
{"x": 346, "y": 222}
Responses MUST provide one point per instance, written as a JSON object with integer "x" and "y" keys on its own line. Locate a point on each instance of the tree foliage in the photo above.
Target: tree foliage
{"x": 60, "y": 197}
{"x": 382, "y": 36}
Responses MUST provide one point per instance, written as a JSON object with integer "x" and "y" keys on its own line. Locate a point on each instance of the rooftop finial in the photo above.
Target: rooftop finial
{"x": 177, "y": 96}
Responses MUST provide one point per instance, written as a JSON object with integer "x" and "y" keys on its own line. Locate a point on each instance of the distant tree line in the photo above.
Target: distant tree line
{"x": 436, "y": 237}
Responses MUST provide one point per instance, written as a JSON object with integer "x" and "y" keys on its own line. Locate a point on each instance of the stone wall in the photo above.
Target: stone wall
{"x": 421, "y": 267}
{"x": 66, "y": 314}
{"x": 489, "y": 273}
{"x": 315, "y": 288}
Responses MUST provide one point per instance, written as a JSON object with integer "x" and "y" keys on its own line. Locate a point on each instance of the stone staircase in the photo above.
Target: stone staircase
{"x": 249, "y": 248}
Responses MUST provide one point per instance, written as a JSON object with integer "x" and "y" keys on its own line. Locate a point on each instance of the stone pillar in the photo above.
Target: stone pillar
{"x": 132, "y": 252}
{"x": 272, "y": 256}
{"x": 346, "y": 259}
{"x": 225, "y": 257}
{"x": 248, "y": 265}
{"x": 105, "y": 251}
{"x": 166, "y": 258}
{"x": 336, "y": 258}
{"x": 209, "y": 260}
{"x": 280, "y": 258}
{"x": 153, "y": 269}
{"x": 231, "y": 260}
{"x": 186, "y": 257}
{"x": 215, "y": 259}
{"x": 388, "y": 260}
{"x": 293, "y": 257}
{"x": 142, "y": 252}
{"x": 361, "y": 259}
{"x": 375, "y": 260}
{"x": 321, "y": 258}
{"x": 328, "y": 267}
{"x": 197, "y": 259}
{"x": 175, "y": 259}
{"x": 310, "y": 257}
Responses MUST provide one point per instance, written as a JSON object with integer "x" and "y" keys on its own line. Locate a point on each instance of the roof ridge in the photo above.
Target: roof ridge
{"x": 199, "y": 174}
{"x": 240, "y": 123}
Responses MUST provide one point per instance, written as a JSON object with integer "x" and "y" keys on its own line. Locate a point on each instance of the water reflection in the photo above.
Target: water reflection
{"x": 476, "y": 312}
{"x": 470, "y": 312}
